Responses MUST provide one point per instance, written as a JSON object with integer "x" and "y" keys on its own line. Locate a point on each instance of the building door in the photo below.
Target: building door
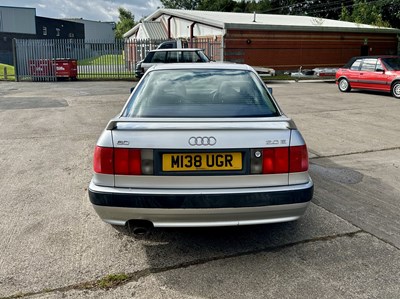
{"x": 364, "y": 50}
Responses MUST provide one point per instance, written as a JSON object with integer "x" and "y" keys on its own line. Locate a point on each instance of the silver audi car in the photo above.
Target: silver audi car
{"x": 200, "y": 145}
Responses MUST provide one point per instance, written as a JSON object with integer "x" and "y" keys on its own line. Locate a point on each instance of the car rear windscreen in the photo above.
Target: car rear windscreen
{"x": 183, "y": 93}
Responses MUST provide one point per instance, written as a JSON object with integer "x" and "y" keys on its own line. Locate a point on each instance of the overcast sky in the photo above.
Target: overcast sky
{"x": 96, "y": 10}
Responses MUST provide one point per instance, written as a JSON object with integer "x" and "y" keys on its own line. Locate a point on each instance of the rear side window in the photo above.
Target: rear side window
{"x": 158, "y": 57}
{"x": 148, "y": 57}
{"x": 356, "y": 65}
{"x": 200, "y": 93}
{"x": 191, "y": 57}
{"x": 173, "y": 56}
{"x": 379, "y": 66}
{"x": 369, "y": 64}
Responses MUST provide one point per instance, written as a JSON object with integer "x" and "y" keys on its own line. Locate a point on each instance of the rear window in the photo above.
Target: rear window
{"x": 200, "y": 93}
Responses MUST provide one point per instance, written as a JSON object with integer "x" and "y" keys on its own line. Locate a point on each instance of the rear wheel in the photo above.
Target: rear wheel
{"x": 396, "y": 89}
{"x": 344, "y": 85}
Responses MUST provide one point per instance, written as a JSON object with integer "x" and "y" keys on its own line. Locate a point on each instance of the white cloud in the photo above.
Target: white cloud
{"x": 97, "y": 10}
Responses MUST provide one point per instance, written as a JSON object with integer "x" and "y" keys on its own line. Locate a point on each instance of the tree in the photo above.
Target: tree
{"x": 364, "y": 13}
{"x": 217, "y": 5}
{"x": 125, "y": 23}
{"x": 181, "y": 4}
{"x": 391, "y": 12}
{"x": 232, "y": 5}
{"x": 313, "y": 8}
{"x": 262, "y": 6}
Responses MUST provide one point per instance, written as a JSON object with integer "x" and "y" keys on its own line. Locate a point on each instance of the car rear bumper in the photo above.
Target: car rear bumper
{"x": 196, "y": 208}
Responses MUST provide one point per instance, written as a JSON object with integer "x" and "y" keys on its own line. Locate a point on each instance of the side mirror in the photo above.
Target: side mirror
{"x": 380, "y": 70}
{"x": 132, "y": 89}
{"x": 269, "y": 89}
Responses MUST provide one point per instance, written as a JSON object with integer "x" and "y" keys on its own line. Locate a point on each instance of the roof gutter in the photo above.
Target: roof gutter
{"x": 161, "y": 12}
{"x": 310, "y": 28}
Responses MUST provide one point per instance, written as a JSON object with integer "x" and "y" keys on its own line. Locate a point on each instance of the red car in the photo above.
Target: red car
{"x": 381, "y": 73}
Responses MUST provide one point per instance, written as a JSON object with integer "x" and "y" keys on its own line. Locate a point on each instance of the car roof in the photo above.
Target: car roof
{"x": 375, "y": 56}
{"x": 177, "y": 49}
{"x": 199, "y": 66}
{"x": 351, "y": 61}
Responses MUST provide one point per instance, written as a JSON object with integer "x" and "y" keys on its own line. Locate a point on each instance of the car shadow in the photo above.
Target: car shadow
{"x": 201, "y": 261}
{"x": 372, "y": 92}
{"x": 169, "y": 252}
{"x": 166, "y": 247}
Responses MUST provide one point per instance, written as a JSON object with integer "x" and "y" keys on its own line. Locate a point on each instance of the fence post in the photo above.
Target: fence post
{"x": 5, "y": 73}
{"x": 14, "y": 46}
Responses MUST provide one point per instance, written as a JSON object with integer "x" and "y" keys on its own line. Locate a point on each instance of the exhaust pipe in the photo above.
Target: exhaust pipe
{"x": 139, "y": 228}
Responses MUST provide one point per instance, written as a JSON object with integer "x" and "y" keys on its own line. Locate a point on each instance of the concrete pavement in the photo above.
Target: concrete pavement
{"x": 53, "y": 245}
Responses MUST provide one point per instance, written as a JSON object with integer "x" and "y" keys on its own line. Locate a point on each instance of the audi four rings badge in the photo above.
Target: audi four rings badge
{"x": 199, "y": 141}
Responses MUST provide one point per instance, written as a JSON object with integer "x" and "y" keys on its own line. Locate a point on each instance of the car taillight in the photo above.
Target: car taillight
{"x": 127, "y": 161}
{"x": 103, "y": 160}
{"x": 298, "y": 158}
{"x": 275, "y": 160}
{"x": 123, "y": 161}
{"x": 279, "y": 160}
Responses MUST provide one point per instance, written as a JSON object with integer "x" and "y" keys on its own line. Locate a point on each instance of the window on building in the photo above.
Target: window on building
{"x": 57, "y": 31}
{"x": 44, "y": 30}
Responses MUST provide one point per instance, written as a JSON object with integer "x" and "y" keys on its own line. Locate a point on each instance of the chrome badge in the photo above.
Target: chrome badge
{"x": 202, "y": 141}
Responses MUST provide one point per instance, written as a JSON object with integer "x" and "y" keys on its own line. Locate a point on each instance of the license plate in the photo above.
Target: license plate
{"x": 201, "y": 161}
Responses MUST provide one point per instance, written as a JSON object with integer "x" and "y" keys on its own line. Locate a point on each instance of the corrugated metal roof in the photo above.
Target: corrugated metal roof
{"x": 154, "y": 30}
{"x": 226, "y": 20}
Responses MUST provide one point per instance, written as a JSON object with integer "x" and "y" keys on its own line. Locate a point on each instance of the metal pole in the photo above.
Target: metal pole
{"x": 14, "y": 45}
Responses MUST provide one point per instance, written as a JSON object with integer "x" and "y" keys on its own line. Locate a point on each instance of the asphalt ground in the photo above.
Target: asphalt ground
{"x": 53, "y": 245}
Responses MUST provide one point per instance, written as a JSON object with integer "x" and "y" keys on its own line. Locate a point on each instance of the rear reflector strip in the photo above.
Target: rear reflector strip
{"x": 126, "y": 161}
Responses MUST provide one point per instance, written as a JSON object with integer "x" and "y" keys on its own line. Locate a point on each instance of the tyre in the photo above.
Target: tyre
{"x": 396, "y": 89}
{"x": 344, "y": 85}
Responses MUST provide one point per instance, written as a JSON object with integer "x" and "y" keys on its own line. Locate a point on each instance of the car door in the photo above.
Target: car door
{"x": 373, "y": 75}
{"x": 383, "y": 76}
{"x": 353, "y": 73}
{"x": 367, "y": 70}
